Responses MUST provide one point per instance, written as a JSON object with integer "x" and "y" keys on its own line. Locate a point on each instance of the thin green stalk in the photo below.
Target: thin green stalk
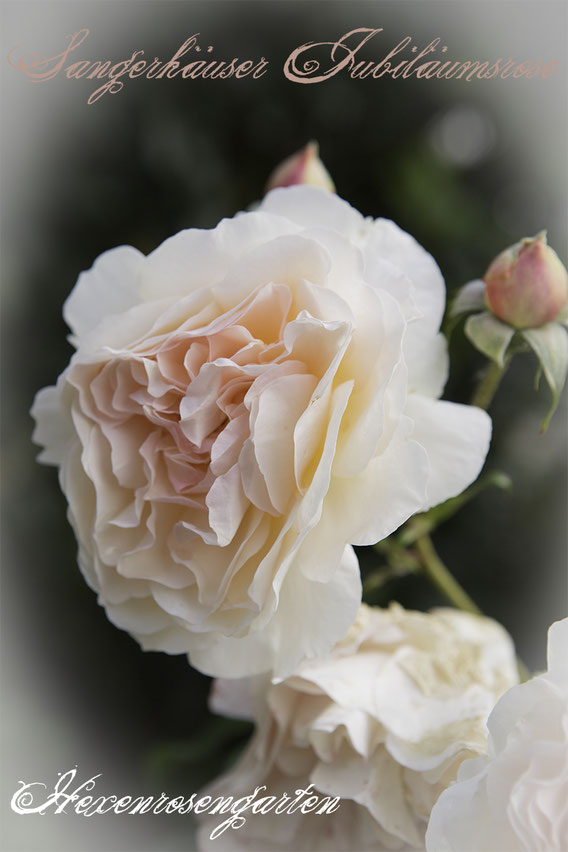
{"x": 488, "y": 385}
{"x": 482, "y": 398}
{"x": 397, "y": 562}
{"x": 439, "y": 575}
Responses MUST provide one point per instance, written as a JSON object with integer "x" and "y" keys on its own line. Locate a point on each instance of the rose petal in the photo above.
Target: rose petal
{"x": 110, "y": 287}
{"x": 456, "y": 439}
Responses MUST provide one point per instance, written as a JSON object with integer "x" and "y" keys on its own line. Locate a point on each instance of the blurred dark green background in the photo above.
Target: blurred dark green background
{"x": 467, "y": 168}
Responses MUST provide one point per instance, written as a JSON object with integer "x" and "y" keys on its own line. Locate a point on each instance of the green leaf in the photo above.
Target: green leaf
{"x": 550, "y": 345}
{"x": 489, "y": 335}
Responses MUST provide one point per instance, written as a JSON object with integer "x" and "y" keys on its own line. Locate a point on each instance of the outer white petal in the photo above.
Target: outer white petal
{"x": 328, "y": 607}
{"x": 368, "y": 507}
{"x": 456, "y": 439}
{"x": 425, "y": 351}
{"x": 194, "y": 259}
{"x": 428, "y": 291}
{"x": 468, "y": 830}
{"x": 309, "y": 207}
{"x": 109, "y": 287}
{"x": 557, "y": 646}
{"x": 427, "y": 359}
{"x": 54, "y": 429}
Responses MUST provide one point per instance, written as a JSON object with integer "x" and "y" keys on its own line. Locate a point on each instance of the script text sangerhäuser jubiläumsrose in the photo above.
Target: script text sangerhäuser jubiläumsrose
{"x": 313, "y": 62}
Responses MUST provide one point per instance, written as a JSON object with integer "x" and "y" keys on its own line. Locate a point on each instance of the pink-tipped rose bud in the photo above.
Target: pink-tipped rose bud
{"x": 527, "y": 284}
{"x": 305, "y": 167}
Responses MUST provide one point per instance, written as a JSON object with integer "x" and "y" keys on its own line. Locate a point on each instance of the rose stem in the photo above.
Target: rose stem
{"x": 437, "y": 572}
{"x": 482, "y": 398}
{"x": 489, "y": 383}
{"x": 439, "y": 575}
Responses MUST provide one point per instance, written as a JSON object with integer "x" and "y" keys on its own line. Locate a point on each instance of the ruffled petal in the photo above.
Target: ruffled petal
{"x": 311, "y": 616}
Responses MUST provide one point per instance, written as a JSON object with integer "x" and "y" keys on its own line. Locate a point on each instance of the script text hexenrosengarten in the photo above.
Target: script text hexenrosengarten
{"x": 34, "y": 798}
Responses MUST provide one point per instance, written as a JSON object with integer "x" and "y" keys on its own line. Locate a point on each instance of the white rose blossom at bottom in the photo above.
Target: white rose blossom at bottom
{"x": 515, "y": 799}
{"x": 383, "y": 721}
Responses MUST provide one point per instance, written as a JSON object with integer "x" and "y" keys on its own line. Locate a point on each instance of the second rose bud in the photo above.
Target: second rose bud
{"x": 527, "y": 285}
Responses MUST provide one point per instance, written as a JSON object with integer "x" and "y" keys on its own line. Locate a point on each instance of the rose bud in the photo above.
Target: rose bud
{"x": 304, "y": 167}
{"x": 527, "y": 284}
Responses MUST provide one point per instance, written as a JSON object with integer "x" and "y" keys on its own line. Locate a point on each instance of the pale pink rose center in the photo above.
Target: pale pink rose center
{"x": 177, "y": 408}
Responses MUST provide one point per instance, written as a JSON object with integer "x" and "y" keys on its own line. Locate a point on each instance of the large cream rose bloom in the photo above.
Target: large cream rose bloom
{"x": 383, "y": 721}
{"x": 515, "y": 799}
{"x": 244, "y": 405}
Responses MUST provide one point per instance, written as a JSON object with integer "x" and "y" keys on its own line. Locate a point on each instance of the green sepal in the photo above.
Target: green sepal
{"x": 562, "y": 316}
{"x": 550, "y": 345}
{"x": 491, "y": 336}
{"x": 468, "y": 299}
